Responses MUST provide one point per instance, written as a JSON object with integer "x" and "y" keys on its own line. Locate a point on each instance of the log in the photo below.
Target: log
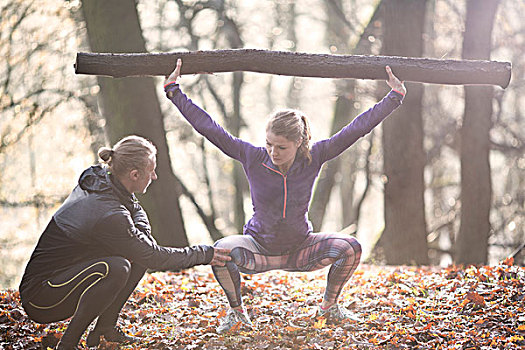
{"x": 423, "y": 70}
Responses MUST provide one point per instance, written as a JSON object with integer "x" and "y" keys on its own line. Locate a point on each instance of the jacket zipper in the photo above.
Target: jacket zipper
{"x": 285, "y": 187}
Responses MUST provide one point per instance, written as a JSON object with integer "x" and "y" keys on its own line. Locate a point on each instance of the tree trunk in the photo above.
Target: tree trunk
{"x": 476, "y": 189}
{"x": 293, "y": 97}
{"x": 239, "y": 177}
{"x": 326, "y": 181}
{"x": 240, "y": 184}
{"x": 423, "y": 70}
{"x": 131, "y": 106}
{"x": 343, "y": 112}
{"x": 405, "y": 238}
{"x": 336, "y": 35}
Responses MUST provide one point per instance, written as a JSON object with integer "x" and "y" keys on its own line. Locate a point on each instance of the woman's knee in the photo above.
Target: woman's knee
{"x": 225, "y": 242}
{"x": 242, "y": 257}
{"x": 243, "y": 249}
{"x": 235, "y": 241}
{"x": 348, "y": 247}
{"x": 353, "y": 250}
{"x": 356, "y": 246}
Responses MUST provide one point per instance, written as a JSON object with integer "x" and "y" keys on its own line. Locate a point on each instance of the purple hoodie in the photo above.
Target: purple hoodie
{"x": 280, "y": 201}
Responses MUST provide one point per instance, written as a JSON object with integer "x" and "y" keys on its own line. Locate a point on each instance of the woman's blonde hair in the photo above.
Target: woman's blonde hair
{"x": 294, "y": 126}
{"x": 132, "y": 152}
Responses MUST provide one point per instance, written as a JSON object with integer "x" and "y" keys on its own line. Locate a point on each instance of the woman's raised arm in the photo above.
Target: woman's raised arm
{"x": 174, "y": 76}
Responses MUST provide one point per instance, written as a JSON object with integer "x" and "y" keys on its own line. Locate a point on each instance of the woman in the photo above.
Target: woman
{"x": 281, "y": 177}
{"x": 97, "y": 247}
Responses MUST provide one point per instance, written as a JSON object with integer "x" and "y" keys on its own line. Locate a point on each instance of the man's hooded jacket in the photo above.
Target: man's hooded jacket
{"x": 101, "y": 218}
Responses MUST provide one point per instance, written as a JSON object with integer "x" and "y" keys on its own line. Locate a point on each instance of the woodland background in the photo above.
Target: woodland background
{"x": 441, "y": 181}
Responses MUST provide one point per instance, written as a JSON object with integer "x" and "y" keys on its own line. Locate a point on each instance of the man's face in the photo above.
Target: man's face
{"x": 146, "y": 176}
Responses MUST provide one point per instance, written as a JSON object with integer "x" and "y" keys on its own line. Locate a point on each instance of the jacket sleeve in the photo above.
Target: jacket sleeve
{"x": 117, "y": 233}
{"x": 206, "y": 126}
{"x": 359, "y": 127}
{"x": 140, "y": 220}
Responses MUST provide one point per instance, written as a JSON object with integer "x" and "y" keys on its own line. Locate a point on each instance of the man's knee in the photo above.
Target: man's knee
{"x": 118, "y": 269}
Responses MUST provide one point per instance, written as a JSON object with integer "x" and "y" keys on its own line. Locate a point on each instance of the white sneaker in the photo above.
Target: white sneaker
{"x": 336, "y": 314}
{"x": 232, "y": 318}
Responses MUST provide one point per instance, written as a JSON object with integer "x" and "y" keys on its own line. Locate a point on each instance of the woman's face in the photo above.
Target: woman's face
{"x": 281, "y": 150}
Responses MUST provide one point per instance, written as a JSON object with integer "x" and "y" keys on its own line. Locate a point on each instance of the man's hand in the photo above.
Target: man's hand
{"x": 220, "y": 256}
{"x": 394, "y": 83}
{"x": 174, "y": 76}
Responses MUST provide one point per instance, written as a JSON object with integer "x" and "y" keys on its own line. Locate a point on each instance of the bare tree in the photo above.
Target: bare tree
{"x": 476, "y": 187}
{"x": 36, "y": 90}
{"x": 232, "y": 32}
{"x": 27, "y": 99}
{"x": 131, "y": 106}
{"x": 339, "y": 34}
{"x": 405, "y": 236}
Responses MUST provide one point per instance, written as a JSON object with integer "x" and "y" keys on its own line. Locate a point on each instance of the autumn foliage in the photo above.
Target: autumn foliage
{"x": 399, "y": 307}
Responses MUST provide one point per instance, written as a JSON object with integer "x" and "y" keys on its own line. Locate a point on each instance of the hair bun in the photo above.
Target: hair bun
{"x": 105, "y": 154}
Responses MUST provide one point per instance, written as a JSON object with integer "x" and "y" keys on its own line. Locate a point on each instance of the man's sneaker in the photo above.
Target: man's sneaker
{"x": 336, "y": 314}
{"x": 233, "y": 318}
{"x": 114, "y": 334}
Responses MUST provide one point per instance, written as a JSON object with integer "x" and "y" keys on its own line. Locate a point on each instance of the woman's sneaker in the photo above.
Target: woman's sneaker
{"x": 232, "y": 319}
{"x": 336, "y": 314}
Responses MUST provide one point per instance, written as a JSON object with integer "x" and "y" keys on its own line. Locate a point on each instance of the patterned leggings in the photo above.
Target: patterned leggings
{"x": 317, "y": 251}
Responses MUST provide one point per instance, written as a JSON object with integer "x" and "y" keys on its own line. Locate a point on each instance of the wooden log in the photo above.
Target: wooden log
{"x": 424, "y": 70}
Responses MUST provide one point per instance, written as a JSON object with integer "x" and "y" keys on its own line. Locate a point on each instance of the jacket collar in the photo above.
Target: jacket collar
{"x": 98, "y": 179}
{"x": 121, "y": 191}
{"x": 297, "y": 164}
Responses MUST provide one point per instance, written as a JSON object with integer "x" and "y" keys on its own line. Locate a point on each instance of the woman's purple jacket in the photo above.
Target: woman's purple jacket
{"x": 280, "y": 201}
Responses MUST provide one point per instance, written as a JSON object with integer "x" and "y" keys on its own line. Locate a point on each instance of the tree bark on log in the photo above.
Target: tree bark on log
{"x": 423, "y": 70}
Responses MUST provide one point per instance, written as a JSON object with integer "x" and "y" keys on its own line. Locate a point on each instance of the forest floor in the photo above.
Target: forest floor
{"x": 399, "y": 307}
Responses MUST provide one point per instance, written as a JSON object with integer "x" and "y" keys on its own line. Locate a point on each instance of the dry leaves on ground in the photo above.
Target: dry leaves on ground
{"x": 399, "y": 308}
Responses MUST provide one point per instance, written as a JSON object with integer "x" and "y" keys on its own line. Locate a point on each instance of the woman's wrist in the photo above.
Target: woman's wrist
{"x": 169, "y": 83}
{"x": 399, "y": 91}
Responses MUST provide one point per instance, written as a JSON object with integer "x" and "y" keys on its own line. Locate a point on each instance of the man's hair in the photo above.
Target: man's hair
{"x": 131, "y": 152}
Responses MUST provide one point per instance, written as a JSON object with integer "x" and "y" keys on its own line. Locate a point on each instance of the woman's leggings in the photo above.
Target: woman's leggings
{"x": 86, "y": 290}
{"x": 317, "y": 251}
